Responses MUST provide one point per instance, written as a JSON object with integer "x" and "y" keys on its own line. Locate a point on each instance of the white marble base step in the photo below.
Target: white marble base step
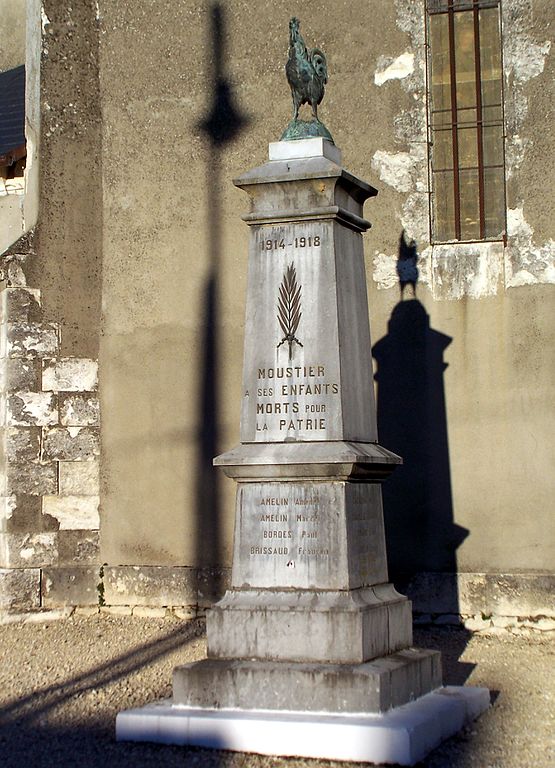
{"x": 403, "y": 735}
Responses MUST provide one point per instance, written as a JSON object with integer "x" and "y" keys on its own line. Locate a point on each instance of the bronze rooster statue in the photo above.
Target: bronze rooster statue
{"x": 306, "y": 71}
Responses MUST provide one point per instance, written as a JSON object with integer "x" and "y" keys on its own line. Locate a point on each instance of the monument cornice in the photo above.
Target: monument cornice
{"x": 299, "y": 169}
{"x": 329, "y": 460}
{"x": 334, "y": 212}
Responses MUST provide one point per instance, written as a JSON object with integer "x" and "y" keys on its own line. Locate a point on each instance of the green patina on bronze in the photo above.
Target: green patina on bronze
{"x": 305, "y": 129}
{"x": 307, "y": 74}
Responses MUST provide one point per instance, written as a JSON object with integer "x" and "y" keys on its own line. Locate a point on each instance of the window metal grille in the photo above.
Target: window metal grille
{"x": 466, "y": 120}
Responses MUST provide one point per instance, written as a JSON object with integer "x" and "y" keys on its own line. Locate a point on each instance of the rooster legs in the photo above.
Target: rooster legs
{"x": 296, "y": 105}
{"x": 297, "y": 101}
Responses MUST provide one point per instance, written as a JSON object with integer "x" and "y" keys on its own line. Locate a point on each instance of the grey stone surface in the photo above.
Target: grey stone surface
{"x": 308, "y": 535}
{"x": 372, "y": 687}
{"x": 71, "y": 443}
{"x": 323, "y": 389}
{"x": 32, "y": 408}
{"x": 346, "y": 627}
{"x": 21, "y": 513}
{"x": 310, "y": 622}
{"x": 277, "y": 193}
{"x": 20, "y": 589}
{"x": 78, "y": 547}
{"x": 19, "y": 305}
{"x": 309, "y": 542}
{"x": 30, "y": 477}
{"x": 310, "y": 461}
{"x": 302, "y": 148}
{"x": 70, "y": 374}
{"x": 69, "y": 585}
{"x": 28, "y": 550}
{"x": 73, "y": 512}
{"x": 79, "y": 478}
{"x": 307, "y": 368}
{"x": 22, "y": 443}
{"x": 79, "y": 409}
{"x": 211, "y": 585}
{"x": 29, "y": 340}
{"x": 18, "y": 374}
{"x": 506, "y": 594}
{"x": 150, "y": 585}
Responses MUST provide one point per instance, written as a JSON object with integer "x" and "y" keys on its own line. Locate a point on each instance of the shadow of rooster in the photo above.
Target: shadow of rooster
{"x": 407, "y": 261}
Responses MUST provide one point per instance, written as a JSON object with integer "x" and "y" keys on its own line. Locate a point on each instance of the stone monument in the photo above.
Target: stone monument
{"x": 309, "y": 651}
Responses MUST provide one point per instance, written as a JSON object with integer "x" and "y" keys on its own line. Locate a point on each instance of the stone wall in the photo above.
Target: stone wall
{"x": 139, "y": 257}
{"x": 49, "y": 436}
{"x": 12, "y": 55}
{"x": 472, "y": 499}
{"x": 50, "y": 494}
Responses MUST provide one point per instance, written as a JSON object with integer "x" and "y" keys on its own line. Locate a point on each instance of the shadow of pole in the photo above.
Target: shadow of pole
{"x": 221, "y": 126}
{"x": 31, "y": 707}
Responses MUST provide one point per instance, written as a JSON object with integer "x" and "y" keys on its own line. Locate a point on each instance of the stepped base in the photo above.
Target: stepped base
{"x": 331, "y": 627}
{"x": 374, "y": 686}
{"x": 403, "y": 735}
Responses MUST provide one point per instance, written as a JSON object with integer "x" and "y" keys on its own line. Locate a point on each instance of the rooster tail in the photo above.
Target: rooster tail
{"x": 318, "y": 61}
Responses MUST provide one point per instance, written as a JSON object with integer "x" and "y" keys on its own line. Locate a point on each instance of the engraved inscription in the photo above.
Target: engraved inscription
{"x": 291, "y": 529}
{"x": 290, "y": 534}
{"x": 289, "y": 309}
{"x": 292, "y": 372}
{"x": 273, "y": 244}
{"x": 293, "y": 396}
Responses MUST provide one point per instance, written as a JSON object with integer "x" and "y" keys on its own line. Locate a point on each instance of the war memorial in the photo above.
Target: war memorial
{"x": 310, "y": 650}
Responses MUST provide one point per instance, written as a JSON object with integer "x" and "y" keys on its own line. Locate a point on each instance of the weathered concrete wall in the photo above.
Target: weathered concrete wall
{"x": 481, "y": 503}
{"x": 67, "y": 261}
{"x": 49, "y": 434}
{"x": 163, "y": 378}
{"x": 12, "y": 34}
{"x": 140, "y": 254}
{"x": 170, "y": 213}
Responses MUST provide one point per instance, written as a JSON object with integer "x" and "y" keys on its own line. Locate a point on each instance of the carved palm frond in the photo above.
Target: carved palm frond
{"x": 289, "y": 308}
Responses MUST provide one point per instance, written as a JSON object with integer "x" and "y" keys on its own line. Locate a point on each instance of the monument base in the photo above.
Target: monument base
{"x": 373, "y": 687}
{"x": 332, "y": 627}
{"x": 403, "y": 735}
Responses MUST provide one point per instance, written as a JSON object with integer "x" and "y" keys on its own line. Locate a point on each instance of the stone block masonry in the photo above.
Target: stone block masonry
{"x": 50, "y": 486}
{"x": 49, "y": 462}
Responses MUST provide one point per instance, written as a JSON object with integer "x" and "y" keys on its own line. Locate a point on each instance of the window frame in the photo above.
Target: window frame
{"x": 451, "y": 8}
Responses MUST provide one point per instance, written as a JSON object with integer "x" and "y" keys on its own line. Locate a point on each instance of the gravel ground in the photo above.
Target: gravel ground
{"x": 61, "y": 685}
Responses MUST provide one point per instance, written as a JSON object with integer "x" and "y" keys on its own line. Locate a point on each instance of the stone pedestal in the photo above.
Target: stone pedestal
{"x": 309, "y": 579}
{"x": 310, "y": 623}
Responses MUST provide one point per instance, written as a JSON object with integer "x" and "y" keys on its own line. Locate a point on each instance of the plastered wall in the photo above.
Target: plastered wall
{"x": 148, "y": 111}
{"x": 162, "y": 203}
{"x": 494, "y": 305}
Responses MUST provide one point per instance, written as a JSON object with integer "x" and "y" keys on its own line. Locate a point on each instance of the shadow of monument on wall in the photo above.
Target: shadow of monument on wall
{"x": 422, "y": 537}
{"x": 412, "y": 422}
{"x": 220, "y": 126}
